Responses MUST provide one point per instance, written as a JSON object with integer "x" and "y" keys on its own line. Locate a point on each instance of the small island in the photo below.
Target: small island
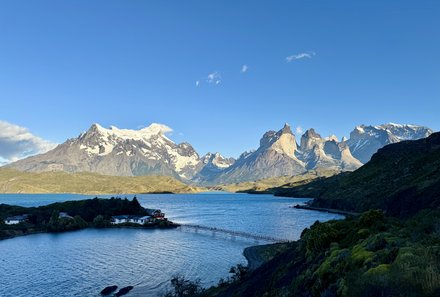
{"x": 81, "y": 214}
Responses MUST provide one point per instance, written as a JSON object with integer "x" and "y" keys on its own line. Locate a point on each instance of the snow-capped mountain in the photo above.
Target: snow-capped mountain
{"x": 326, "y": 153}
{"x": 274, "y": 157}
{"x": 217, "y": 160}
{"x": 280, "y": 155}
{"x": 364, "y": 140}
{"x": 119, "y": 152}
{"x": 149, "y": 151}
{"x": 213, "y": 164}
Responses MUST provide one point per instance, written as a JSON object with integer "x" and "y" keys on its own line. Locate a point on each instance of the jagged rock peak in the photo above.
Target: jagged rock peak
{"x": 309, "y": 139}
{"x": 217, "y": 160}
{"x": 286, "y": 129}
{"x": 311, "y": 133}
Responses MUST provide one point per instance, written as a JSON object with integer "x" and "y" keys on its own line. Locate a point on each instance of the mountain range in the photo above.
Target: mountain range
{"x": 401, "y": 179}
{"x": 148, "y": 151}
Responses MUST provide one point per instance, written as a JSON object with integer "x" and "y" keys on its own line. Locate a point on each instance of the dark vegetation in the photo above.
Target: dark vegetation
{"x": 85, "y": 213}
{"x": 367, "y": 256}
{"x": 182, "y": 287}
{"x": 392, "y": 249}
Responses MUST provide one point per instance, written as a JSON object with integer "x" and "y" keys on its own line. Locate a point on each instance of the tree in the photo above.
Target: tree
{"x": 79, "y": 221}
{"x": 238, "y": 272}
{"x": 53, "y": 224}
{"x": 185, "y": 288}
{"x": 100, "y": 222}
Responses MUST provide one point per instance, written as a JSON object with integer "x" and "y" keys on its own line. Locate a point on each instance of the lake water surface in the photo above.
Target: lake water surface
{"x": 81, "y": 263}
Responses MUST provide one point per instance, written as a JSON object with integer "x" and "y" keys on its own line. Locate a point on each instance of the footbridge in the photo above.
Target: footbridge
{"x": 232, "y": 233}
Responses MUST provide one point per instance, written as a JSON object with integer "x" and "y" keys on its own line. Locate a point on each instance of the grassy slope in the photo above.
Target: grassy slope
{"x": 367, "y": 257}
{"x": 401, "y": 179}
{"x": 12, "y": 181}
{"x": 281, "y": 182}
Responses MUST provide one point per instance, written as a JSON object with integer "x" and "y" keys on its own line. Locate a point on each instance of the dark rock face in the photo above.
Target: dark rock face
{"x": 124, "y": 291}
{"x": 108, "y": 290}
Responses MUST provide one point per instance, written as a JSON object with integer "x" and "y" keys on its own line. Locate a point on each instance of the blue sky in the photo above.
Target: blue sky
{"x": 67, "y": 64}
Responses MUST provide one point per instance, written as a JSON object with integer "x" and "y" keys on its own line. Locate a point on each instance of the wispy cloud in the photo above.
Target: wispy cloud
{"x": 299, "y": 130}
{"x": 299, "y": 56}
{"x": 213, "y": 78}
{"x": 244, "y": 68}
{"x": 17, "y": 142}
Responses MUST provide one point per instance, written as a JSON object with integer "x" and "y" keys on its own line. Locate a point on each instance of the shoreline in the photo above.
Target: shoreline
{"x": 257, "y": 255}
{"x": 171, "y": 226}
{"x": 328, "y": 210}
{"x": 253, "y": 257}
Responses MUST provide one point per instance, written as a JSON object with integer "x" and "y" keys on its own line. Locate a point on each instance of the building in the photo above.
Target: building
{"x": 131, "y": 219}
{"x": 64, "y": 215}
{"x": 156, "y": 213}
{"x": 16, "y": 219}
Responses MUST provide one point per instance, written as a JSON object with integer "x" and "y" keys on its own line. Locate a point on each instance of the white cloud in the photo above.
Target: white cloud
{"x": 17, "y": 143}
{"x": 299, "y": 56}
{"x": 244, "y": 68}
{"x": 299, "y": 130}
{"x": 213, "y": 78}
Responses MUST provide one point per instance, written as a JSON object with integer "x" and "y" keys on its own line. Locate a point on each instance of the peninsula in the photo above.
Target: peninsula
{"x": 81, "y": 214}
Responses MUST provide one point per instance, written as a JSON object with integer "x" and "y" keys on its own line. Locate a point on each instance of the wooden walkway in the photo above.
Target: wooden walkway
{"x": 233, "y": 233}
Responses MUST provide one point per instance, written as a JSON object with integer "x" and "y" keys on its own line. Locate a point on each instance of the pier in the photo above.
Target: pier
{"x": 233, "y": 233}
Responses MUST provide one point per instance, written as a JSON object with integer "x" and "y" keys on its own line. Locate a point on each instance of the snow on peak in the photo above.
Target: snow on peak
{"x": 155, "y": 128}
{"x": 360, "y": 129}
{"x": 142, "y": 134}
{"x": 396, "y": 125}
{"x": 332, "y": 137}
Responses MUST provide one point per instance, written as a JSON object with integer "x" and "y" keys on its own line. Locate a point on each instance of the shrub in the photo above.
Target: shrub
{"x": 100, "y": 222}
{"x": 372, "y": 218}
{"x": 184, "y": 288}
{"x": 238, "y": 272}
{"x": 319, "y": 237}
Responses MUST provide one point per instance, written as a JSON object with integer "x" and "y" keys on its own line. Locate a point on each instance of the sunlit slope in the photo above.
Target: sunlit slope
{"x": 12, "y": 181}
{"x": 277, "y": 182}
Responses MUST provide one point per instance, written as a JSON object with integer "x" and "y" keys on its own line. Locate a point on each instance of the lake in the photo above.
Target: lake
{"x": 81, "y": 263}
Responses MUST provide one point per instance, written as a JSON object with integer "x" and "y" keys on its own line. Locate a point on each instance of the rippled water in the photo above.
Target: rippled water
{"x": 81, "y": 263}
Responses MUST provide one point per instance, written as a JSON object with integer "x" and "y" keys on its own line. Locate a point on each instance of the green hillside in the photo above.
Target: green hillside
{"x": 12, "y": 181}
